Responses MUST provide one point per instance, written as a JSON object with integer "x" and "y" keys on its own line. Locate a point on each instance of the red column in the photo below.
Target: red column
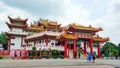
{"x": 9, "y": 44}
{"x": 60, "y": 43}
{"x": 34, "y": 43}
{"x": 21, "y": 41}
{"x": 65, "y": 48}
{"x": 27, "y": 44}
{"x": 91, "y": 47}
{"x": 98, "y": 49}
{"x": 74, "y": 49}
{"x": 46, "y": 41}
{"x": 10, "y": 29}
{"x": 23, "y": 30}
{"x": 68, "y": 49}
{"x": 84, "y": 47}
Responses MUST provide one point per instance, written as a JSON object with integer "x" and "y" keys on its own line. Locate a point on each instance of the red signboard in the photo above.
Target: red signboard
{"x": 83, "y": 35}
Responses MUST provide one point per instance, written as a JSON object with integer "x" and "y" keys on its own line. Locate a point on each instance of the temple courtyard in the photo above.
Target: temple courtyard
{"x": 59, "y": 63}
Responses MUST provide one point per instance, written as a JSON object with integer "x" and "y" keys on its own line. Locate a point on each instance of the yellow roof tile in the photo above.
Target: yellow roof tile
{"x": 97, "y": 38}
{"x": 17, "y": 19}
{"x": 33, "y": 28}
{"x": 90, "y": 28}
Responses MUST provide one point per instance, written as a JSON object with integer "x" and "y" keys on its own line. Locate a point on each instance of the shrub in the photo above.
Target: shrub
{"x": 31, "y": 57}
{"x": 32, "y": 54}
{"x": 33, "y": 48}
{"x": 1, "y": 57}
{"x": 55, "y": 54}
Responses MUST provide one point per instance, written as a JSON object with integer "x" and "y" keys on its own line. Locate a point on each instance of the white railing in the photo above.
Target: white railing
{"x": 35, "y": 35}
{"x": 60, "y": 48}
{"x": 45, "y": 32}
{"x": 17, "y": 32}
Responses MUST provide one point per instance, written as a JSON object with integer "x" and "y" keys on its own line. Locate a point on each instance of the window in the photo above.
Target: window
{"x": 12, "y": 43}
{"x": 39, "y": 41}
{"x": 24, "y": 45}
{"x": 12, "y": 37}
{"x": 52, "y": 43}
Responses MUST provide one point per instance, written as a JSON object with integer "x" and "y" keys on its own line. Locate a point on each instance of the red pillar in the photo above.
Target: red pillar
{"x": 60, "y": 43}
{"x": 68, "y": 49}
{"x": 27, "y": 44}
{"x": 98, "y": 49}
{"x": 65, "y": 48}
{"x": 34, "y": 43}
{"x": 91, "y": 47}
{"x": 74, "y": 49}
{"x": 9, "y": 44}
{"x": 46, "y": 41}
{"x": 21, "y": 41}
{"x": 84, "y": 47}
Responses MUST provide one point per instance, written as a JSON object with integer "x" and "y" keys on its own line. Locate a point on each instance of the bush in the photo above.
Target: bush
{"x": 33, "y": 54}
{"x": 33, "y": 48}
{"x": 1, "y": 57}
{"x": 55, "y": 54}
{"x": 31, "y": 57}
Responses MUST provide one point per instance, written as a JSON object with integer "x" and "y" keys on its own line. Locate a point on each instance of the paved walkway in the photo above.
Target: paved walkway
{"x": 95, "y": 66}
{"x": 58, "y": 63}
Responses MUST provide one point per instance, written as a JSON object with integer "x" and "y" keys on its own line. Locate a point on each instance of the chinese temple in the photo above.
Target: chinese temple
{"x": 70, "y": 41}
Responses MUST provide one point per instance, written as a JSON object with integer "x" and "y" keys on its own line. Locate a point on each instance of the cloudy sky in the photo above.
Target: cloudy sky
{"x": 98, "y": 13}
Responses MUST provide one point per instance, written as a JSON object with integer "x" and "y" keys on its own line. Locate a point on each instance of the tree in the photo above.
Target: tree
{"x": 34, "y": 48}
{"x": 119, "y": 49}
{"x": 3, "y": 38}
{"x": 109, "y": 49}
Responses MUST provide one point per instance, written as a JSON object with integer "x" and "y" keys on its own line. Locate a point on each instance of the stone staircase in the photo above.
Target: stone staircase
{"x": 82, "y": 55}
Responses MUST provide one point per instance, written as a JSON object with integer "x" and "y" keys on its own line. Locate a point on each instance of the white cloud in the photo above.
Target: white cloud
{"x": 13, "y": 12}
{"x": 72, "y": 13}
{"x": 110, "y": 22}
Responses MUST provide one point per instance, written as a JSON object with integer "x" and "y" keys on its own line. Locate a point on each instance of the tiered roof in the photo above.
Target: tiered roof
{"x": 33, "y": 28}
{"x": 66, "y": 36}
{"x": 97, "y": 38}
{"x": 16, "y": 25}
{"x": 43, "y": 24}
{"x": 81, "y": 27}
{"x": 12, "y": 20}
{"x": 49, "y": 24}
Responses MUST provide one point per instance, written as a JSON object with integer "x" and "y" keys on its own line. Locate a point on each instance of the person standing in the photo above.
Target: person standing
{"x": 93, "y": 57}
{"x": 89, "y": 57}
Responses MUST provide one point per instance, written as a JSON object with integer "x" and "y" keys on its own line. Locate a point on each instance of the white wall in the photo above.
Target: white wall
{"x": 17, "y": 43}
{"x": 17, "y": 29}
{"x": 31, "y": 43}
{"x": 1, "y": 46}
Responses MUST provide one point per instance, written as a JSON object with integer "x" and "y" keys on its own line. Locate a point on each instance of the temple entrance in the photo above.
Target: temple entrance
{"x": 78, "y": 52}
{"x": 70, "y": 51}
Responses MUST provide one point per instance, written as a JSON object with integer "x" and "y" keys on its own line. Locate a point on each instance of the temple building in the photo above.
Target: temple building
{"x": 70, "y": 41}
